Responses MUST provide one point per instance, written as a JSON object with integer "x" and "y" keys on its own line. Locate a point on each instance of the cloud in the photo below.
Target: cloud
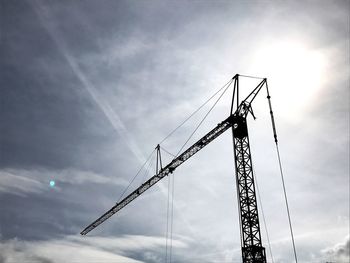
{"x": 14, "y": 183}
{"x": 142, "y": 62}
{"x": 20, "y": 181}
{"x": 339, "y": 252}
{"x": 47, "y": 21}
{"x": 85, "y": 249}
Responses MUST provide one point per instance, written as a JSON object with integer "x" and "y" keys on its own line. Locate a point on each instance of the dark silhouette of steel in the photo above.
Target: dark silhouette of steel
{"x": 170, "y": 168}
{"x": 252, "y": 249}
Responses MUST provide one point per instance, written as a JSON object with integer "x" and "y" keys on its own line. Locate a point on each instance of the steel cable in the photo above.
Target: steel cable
{"x": 133, "y": 179}
{"x": 263, "y": 215}
{"x": 287, "y": 206}
{"x": 281, "y": 172}
{"x": 206, "y": 115}
{"x": 193, "y": 113}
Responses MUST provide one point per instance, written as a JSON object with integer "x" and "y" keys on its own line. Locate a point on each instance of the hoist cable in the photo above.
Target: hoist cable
{"x": 193, "y": 113}
{"x": 281, "y": 173}
{"x": 172, "y": 216}
{"x": 167, "y": 222}
{"x": 133, "y": 179}
{"x": 172, "y": 177}
{"x": 206, "y": 115}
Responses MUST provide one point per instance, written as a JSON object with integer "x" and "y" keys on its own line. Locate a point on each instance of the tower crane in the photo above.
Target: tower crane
{"x": 252, "y": 248}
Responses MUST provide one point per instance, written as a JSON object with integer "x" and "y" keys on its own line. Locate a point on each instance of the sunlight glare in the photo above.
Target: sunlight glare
{"x": 295, "y": 75}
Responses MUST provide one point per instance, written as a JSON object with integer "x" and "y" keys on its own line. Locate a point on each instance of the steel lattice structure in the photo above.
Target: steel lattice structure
{"x": 205, "y": 140}
{"x": 252, "y": 249}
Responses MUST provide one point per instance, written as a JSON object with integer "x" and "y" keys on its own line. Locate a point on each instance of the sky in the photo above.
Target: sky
{"x": 89, "y": 88}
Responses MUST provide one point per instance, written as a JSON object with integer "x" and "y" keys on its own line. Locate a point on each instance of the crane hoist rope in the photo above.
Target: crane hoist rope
{"x": 252, "y": 249}
{"x": 227, "y": 85}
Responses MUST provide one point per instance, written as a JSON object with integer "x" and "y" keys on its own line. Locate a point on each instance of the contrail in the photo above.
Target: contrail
{"x": 44, "y": 15}
{"x": 111, "y": 115}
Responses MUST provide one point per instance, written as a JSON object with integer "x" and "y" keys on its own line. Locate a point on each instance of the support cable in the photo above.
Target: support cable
{"x": 133, "y": 179}
{"x": 227, "y": 85}
{"x": 206, "y": 115}
{"x": 173, "y": 155}
{"x": 252, "y": 77}
{"x": 281, "y": 172}
{"x": 193, "y": 113}
{"x": 147, "y": 169}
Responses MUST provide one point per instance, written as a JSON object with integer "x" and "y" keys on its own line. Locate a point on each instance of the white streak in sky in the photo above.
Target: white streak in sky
{"x": 44, "y": 15}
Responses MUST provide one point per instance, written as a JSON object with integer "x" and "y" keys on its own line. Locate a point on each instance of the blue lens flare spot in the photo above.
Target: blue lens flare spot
{"x": 52, "y": 183}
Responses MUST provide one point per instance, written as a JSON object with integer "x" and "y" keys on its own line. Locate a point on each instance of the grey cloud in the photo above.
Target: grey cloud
{"x": 72, "y": 248}
{"x": 17, "y": 181}
{"x": 339, "y": 252}
{"x": 153, "y": 63}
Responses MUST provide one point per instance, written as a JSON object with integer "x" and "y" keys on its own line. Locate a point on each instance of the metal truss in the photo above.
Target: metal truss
{"x": 252, "y": 249}
{"x": 176, "y": 162}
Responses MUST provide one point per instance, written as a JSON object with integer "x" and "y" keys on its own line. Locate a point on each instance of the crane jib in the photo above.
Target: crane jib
{"x": 176, "y": 162}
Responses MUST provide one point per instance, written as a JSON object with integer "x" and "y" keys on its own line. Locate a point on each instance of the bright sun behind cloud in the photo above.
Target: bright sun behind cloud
{"x": 295, "y": 74}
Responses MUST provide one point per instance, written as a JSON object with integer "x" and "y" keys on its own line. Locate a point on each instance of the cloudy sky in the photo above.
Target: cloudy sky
{"x": 88, "y": 89}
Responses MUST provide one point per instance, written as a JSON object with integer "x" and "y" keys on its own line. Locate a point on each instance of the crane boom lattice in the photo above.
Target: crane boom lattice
{"x": 176, "y": 162}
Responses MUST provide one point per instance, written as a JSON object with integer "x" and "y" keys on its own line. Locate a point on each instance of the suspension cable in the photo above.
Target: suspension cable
{"x": 133, "y": 179}
{"x": 172, "y": 185}
{"x": 252, "y": 77}
{"x": 173, "y": 155}
{"x": 206, "y": 115}
{"x": 193, "y": 113}
{"x": 281, "y": 173}
{"x": 147, "y": 169}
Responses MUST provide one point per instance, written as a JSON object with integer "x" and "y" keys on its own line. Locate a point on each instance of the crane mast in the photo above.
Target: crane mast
{"x": 252, "y": 249}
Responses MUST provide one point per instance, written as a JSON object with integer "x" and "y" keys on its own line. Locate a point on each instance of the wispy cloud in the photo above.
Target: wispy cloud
{"x": 47, "y": 21}
{"x": 88, "y": 249}
{"x": 21, "y": 182}
{"x": 12, "y": 182}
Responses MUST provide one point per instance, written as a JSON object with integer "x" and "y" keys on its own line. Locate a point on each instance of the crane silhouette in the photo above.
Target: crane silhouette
{"x": 252, "y": 248}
